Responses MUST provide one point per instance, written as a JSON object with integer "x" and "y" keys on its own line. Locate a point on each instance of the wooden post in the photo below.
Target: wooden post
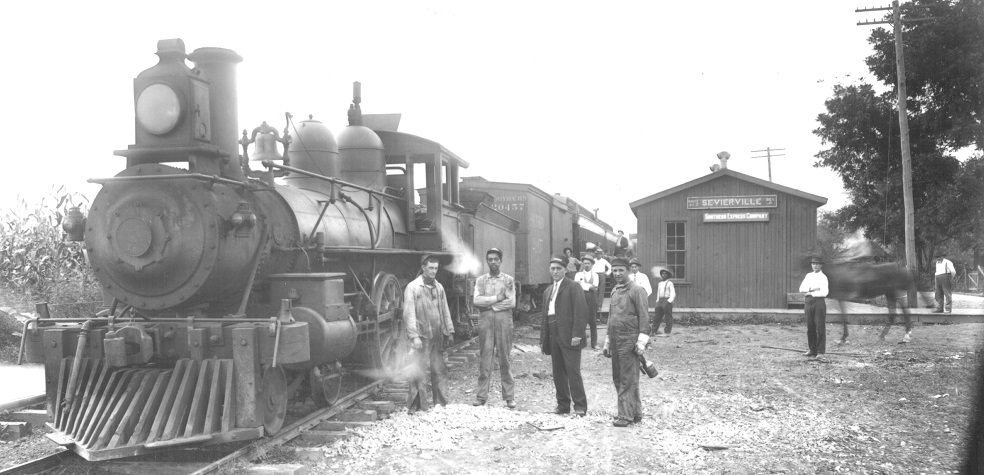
{"x": 910, "y": 215}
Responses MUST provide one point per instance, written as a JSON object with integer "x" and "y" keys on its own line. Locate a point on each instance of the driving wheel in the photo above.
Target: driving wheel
{"x": 326, "y": 384}
{"x": 393, "y": 347}
{"x": 274, "y": 399}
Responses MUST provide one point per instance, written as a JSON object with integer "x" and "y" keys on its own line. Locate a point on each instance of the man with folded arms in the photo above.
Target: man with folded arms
{"x": 495, "y": 297}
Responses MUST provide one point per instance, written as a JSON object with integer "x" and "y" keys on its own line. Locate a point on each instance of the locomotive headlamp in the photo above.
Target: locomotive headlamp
{"x": 158, "y": 109}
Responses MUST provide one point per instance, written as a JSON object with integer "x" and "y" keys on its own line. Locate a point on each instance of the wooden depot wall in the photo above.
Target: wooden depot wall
{"x": 732, "y": 264}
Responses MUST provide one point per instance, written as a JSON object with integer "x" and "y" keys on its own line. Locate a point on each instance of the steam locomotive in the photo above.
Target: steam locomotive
{"x": 230, "y": 290}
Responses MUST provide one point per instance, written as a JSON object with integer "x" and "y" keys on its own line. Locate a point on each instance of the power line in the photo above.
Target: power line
{"x": 910, "y": 216}
{"x": 768, "y": 154}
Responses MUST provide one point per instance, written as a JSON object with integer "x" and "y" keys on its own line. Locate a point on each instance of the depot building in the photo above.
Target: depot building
{"x": 730, "y": 239}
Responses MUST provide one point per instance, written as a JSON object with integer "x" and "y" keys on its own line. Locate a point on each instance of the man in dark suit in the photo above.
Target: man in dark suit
{"x": 562, "y": 337}
{"x": 621, "y": 244}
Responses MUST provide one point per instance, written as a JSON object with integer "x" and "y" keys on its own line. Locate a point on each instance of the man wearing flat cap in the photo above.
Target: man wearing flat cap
{"x": 816, "y": 287}
{"x": 628, "y": 336}
{"x": 562, "y": 337}
{"x": 589, "y": 284}
{"x": 495, "y": 297}
{"x": 429, "y": 328}
{"x": 944, "y": 284}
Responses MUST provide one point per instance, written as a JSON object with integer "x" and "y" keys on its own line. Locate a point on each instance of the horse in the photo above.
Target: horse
{"x": 852, "y": 281}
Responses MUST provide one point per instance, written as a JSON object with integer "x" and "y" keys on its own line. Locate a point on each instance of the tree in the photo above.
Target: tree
{"x": 945, "y": 64}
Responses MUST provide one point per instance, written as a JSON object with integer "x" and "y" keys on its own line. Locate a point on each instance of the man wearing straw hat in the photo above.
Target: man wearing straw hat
{"x": 665, "y": 294}
{"x": 816, "y": 286}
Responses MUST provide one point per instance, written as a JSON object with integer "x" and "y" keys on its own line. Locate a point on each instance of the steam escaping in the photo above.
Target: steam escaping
{"x": 465, "y": 260}
{"x": 405, "y": 367}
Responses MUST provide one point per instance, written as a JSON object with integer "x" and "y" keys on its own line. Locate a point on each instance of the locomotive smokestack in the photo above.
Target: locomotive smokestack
{"x": 218, "y": 65}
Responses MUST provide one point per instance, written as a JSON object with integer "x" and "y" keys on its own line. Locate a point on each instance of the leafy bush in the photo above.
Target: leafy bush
{"x": 36, "y": 261}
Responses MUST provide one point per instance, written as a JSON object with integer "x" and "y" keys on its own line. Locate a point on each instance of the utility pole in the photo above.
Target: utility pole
{"x": 768, "y": 154}
{"x": 911, "y": 263}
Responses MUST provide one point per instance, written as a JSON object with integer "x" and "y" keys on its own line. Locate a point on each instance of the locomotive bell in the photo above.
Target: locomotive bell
{"x": 265, "y": 148}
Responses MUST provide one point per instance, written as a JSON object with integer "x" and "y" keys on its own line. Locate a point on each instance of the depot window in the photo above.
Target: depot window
{"x": 676, "y": 248}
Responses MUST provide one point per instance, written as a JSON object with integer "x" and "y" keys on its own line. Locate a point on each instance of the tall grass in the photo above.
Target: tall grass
{"x": 37, "y": 262}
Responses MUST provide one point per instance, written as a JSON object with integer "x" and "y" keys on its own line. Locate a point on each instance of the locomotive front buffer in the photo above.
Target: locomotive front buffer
{"x": 118, "y": 388}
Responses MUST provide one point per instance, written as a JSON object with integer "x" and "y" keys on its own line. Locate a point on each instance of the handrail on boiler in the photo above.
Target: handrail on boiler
{"x": 270, "y": 164}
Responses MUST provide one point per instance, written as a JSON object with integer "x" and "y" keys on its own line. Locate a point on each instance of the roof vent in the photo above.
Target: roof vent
{"x": 724, "y": 156}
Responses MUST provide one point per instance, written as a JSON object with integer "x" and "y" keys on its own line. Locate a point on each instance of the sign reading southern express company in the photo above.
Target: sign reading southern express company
{"x": 736, "y": 217}
{"x": 721, "y": 202}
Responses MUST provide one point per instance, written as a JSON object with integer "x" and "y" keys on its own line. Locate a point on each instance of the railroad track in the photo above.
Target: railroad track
{"x": 64, "y": 462}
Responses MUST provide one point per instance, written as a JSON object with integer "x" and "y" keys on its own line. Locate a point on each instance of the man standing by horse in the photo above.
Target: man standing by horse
{"x": 944, "y": 284}
{"x": 816, "y": 287}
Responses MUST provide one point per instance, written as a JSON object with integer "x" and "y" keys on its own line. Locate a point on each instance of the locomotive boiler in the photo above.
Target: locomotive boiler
{"x": 228, "y": 290}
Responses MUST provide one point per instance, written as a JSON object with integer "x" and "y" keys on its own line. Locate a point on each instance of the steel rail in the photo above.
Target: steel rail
{"x": 41, "y": 465}
{"x": 259, "y": 448}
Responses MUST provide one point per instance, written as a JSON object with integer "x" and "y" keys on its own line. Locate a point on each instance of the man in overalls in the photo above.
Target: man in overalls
{"x": 628, "y": 335}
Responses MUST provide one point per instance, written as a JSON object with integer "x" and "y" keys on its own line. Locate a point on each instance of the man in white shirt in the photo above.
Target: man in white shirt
{"x": 665, "y": 295}
{"x": 639, "y": 277}
{"x": 816, "y": 287}
{"x": 944, "y": 283}
{"x": 589, "y": 284}
{"x": 621, "y": 244}
{"x": 604, "y": 269}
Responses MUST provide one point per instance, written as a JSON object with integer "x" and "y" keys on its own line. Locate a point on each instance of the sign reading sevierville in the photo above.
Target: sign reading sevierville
{"x": 720, "y": 202}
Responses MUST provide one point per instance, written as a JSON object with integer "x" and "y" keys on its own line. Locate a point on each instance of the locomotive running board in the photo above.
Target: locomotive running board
{"x": 121, "y": 412}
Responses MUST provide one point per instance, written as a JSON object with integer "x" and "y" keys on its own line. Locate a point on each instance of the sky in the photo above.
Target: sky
{"x": 606, "y": 103}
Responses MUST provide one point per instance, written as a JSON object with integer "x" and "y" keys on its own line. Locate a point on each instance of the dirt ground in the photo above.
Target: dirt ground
{"x": 721, "y": 404}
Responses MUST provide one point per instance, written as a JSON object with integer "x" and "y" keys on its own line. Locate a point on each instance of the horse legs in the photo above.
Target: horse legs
{"x": 908, "y": 323}
{"x": 890, "y": 300}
